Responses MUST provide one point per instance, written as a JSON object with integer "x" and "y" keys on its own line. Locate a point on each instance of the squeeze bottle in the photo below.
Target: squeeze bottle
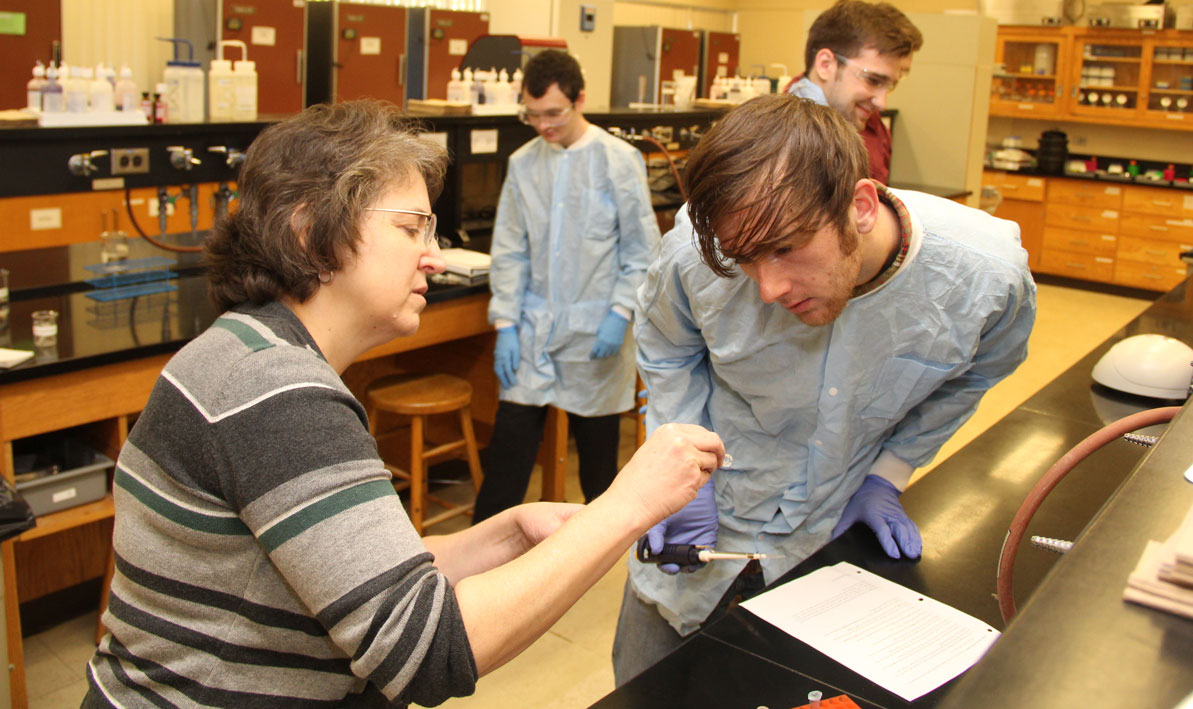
{"x": 184, "y": 85}
{"x": 78, "y": 90}
{"x": 455, "y": 87}
{"x": 246, "y": 90}
{"x": 34, "y": 87}
{"x": 53, "y": 99}
{"x": 102, "y": 94}
{"x": 516, "y": 85}
{"x": 127, "y": 98}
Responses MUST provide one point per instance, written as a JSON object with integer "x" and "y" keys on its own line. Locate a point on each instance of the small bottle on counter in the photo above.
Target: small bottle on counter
{"x": 34, "y": 87}
{"x": 53, "y": 100}
{"x": 161, "y": 108}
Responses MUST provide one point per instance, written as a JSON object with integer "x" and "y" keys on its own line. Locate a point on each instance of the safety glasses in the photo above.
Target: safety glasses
{"x": 876, "y": 81}
{"x": 426, "y": 224}
{"x": 550, "y": 118}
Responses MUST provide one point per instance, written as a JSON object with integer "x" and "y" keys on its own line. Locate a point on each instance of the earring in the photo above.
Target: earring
{"x": 326, "y": 276}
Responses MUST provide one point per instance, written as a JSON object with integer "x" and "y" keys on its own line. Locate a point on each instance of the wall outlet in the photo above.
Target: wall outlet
{"x": 130, "y": 161}
{"x": 587, "y": 18}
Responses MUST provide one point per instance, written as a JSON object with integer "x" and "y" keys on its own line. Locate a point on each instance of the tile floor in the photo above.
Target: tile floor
{"x": 569, "y": 666}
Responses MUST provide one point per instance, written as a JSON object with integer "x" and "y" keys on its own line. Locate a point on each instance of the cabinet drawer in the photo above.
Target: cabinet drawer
{"x": 1086, "y": 193}
{"x": 1148, "y": 275}
{"x": 1067, "y": 216}
{"x": 1085, "y": 266}
{"x": 1172, "y": 204}
{"x": 1161, "y": 253}
{"x": 1151, "y": 227}
{"x": 1014, "y": 186}
{"x": 1086, "y": 242}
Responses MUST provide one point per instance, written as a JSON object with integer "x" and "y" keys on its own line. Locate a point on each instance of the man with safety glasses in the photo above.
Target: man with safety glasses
{"x": 571, "y": 242}
{"x": 855, "y": 56}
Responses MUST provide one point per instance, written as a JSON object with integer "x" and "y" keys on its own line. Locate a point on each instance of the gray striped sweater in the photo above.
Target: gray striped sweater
{"x": 262, "y": 557}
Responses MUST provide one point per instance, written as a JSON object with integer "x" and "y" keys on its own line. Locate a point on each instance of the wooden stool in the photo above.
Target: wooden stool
{"x": 418, "y": 397}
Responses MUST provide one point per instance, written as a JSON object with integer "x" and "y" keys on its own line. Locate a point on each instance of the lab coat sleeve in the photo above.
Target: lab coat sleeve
{"x": 672, "y": 357}
{"x": 638, "y": 230}
{"x": 509, "y": 267}
{"x": 1002, "y": 348}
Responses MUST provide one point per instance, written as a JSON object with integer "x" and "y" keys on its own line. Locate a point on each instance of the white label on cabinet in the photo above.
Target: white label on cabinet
{"x": 1035, "y": 182}
{"x": 457, "y": 47}
{"x": 1026, "y": 107}
{"x": 370, "y": 45}
{"x": 1110, "y": 214}
{"x": 1107, "y": 237}
{"x": 722, "y": 57}
{"x": 1179, "y": 222}
{"x": 1114, "y": 190}
{"x": 64, "y": 495}
{"x": 108, "y": 183}
{"x": 48, "y": 218}
{"x": 1102, "y": 259}
{"x": 1189, "y": 203}
{"x": 1174, "y": 116}
{"x": 483, "y": 141}
{"x": 264, "y": 36}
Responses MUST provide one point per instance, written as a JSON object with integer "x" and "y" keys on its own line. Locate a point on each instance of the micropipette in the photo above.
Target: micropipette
{"x": 689, "y": 554}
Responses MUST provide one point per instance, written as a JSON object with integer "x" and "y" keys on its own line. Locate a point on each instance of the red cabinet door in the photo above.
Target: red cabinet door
{"x": 273, "y": 31}
{"x": 370, "y": 52}
{"x": 449, "y": 32}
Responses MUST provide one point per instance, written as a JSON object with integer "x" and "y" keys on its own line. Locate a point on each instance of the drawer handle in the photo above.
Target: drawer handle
{"x": 1082, "y": 219}
{"x": 1153, "y": 252}
{"x": 1161, "y": 203}
{"x": 1153, "y": 227}
{"x": 1075, "y": 242}
{"x": 1070, "y": 264}
{"x": 1152, "y": 276}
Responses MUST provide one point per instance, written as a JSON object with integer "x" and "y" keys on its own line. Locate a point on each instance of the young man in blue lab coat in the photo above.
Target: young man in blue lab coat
{"x": 855, "y": 55}
{"x": 571, "y": 242}
{"x": 834, "y": 332}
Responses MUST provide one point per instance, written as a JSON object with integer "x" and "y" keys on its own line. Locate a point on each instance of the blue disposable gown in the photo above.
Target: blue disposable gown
{"x": 572, "y": 239}
{"x": 807, "y": 411}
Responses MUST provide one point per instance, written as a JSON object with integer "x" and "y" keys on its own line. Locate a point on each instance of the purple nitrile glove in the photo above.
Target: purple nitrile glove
{"x": 695, "y": 524}
{"x": 609, "y": 336}
{"x": 506, "y": 355}
{"x": 876, "y": 503}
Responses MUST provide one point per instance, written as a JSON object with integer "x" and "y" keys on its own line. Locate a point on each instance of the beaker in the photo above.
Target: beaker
{"x": 45, "y": 328}
{"x": 115, "y": 246}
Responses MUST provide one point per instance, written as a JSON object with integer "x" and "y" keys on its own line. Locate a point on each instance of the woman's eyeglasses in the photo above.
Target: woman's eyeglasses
{"x": 427, "y": 224}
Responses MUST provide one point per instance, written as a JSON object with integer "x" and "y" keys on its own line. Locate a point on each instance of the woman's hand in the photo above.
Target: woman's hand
{"x": 668, "y": 470}
{"x": 539, "y": 520}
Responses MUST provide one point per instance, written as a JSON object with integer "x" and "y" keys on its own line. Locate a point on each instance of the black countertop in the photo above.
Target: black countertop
{"x": 963, "y": 509}
{"x": 93, "y": 332}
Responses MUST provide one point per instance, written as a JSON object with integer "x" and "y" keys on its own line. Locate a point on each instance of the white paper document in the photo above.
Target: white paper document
{"x": 899, "y": 639}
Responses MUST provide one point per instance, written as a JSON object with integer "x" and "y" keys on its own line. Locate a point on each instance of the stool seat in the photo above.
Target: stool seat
{"x": 417, "y": 397}
{"x": 420, "y": 396}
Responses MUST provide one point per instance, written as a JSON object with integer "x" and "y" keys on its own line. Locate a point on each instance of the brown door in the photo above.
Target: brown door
{"x": 273, "y": 31}
{"x": 370, "y": 52}
{"x": 19, "y": 52}
{"x": 720, "y": 58}
{"x": 680, "y": 50}
{"x": 449, "y": 36}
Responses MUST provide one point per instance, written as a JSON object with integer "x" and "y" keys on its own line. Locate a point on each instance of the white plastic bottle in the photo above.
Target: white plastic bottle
{"x": 516, "y": 85}
{"x": 455, "y": 88}
{"x": 102, "y": 95}
{"x": 78, "y": 90}
{"x": 471, "y": 87}
{"x": 492, "y": 88}
{"x": 184, "y": 86}
{"x": 127, "y": 97}
{"x": 246, "y": 90}
{"x": 221, "y": 90}
{"x": 505, "y": 94}
{"x": 53, "y": 97}
{"x": 34, "y": 87}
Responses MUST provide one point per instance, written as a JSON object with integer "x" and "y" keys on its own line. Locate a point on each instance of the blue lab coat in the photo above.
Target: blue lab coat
{"x": 572, "y": 239}
{"x": 807, "y": 412}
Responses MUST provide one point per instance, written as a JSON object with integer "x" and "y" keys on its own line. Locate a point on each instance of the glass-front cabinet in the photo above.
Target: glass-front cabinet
{"x": 1109, "y": 71}
{"x": 1095, "y": 75}
{"x": 1029, "y": 66}
{"x": 1170, "y": 89}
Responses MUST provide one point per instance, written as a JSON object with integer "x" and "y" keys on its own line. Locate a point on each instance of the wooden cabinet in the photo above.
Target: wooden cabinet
{"x": 1022, "y": 203}
{"x": 1129, "y": 235}
{"x": 1031, "y": 65}
{"x": 1110, "y": 76}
